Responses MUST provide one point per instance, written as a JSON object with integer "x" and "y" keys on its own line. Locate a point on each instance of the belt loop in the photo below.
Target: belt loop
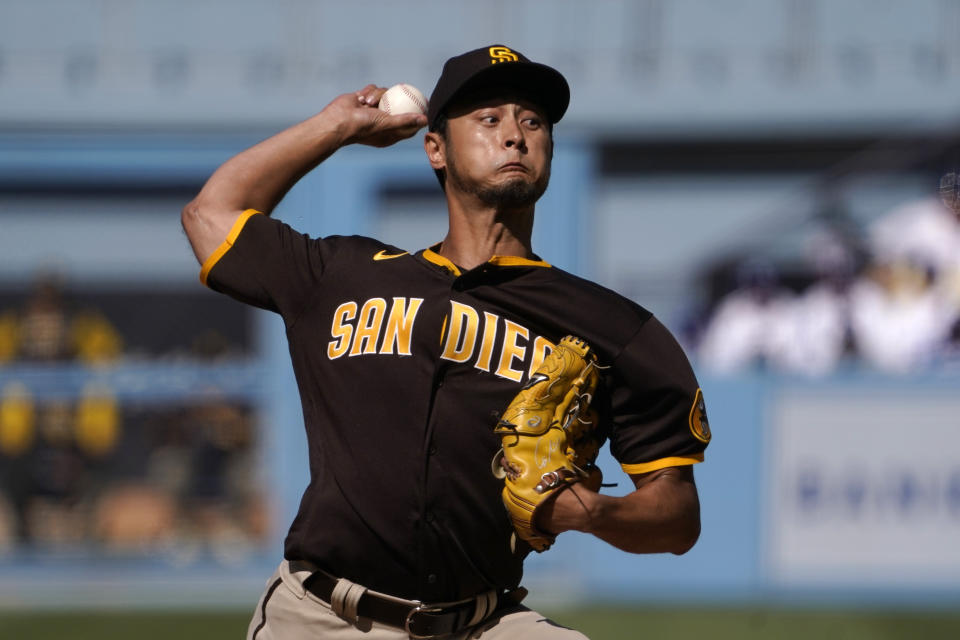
{"x": 484, "y": 605}
{"x": 344, "y": 599}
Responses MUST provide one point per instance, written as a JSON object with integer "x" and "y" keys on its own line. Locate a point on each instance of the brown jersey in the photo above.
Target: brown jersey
{"x": 404, "y": 363}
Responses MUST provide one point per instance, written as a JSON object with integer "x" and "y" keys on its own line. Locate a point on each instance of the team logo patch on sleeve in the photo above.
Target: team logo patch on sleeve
{"x": 699, "y": 426}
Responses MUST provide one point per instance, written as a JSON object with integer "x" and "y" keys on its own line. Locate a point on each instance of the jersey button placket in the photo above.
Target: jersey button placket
{"x": 428, "y": 574}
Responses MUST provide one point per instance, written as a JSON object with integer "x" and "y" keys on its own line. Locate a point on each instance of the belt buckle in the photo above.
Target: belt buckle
{"x": 420, "y": 608}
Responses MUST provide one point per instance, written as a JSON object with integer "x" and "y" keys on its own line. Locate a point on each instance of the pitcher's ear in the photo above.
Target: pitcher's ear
{"x": 436, "y": 149}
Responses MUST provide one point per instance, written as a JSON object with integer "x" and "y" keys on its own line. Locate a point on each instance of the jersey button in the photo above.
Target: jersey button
{"x": 430, "y": 516}
{"x": 432, "y": 450}
{"x": 432, "y": 578}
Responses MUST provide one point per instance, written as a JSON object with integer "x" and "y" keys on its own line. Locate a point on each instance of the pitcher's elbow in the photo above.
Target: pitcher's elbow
{"x": 687, "y": 536}
{"x": 190, "y": 216}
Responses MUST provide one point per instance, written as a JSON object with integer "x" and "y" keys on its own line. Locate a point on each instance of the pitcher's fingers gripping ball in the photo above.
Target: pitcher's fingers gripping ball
{"x": 550, "y": 438}
{"x": 403, "y": 98}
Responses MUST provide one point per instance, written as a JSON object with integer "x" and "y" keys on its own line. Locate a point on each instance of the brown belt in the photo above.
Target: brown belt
{"x": 417, "y": 619}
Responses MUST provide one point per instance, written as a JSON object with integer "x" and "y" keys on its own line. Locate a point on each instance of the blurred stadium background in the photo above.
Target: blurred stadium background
{"x": 762, "y": 174}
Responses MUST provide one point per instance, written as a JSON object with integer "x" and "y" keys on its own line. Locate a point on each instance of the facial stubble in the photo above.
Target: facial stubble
{"x": 512, "y": 194}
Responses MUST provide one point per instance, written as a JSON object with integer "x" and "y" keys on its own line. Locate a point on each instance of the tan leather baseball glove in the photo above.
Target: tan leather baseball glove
{"x": 549, "y": 437}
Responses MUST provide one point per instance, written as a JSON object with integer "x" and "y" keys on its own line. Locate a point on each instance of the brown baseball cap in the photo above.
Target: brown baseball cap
{"x": 499, "y": 65}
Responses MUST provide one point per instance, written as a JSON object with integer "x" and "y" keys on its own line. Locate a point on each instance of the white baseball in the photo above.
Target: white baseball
{"x": 403, "y": 98}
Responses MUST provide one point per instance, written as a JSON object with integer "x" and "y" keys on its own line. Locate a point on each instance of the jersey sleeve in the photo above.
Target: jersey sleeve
{"x": 659, "y": 417}
{"x": 265, "y": 263}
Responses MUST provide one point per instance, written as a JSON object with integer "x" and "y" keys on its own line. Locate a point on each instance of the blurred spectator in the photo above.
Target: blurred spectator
{"x": 134, "y": 517}
{"x": 93, "y": 339}
{"x": 57, "y": 472}
{"x": 900, "y": 320}
{"x": 924, "y": 232}
{"x": 905, "y": 309}
{"x": 747, "y": 322}
{"x": 224, "y": 439}
{"x": 168, "y": 464}
{"x": 17, "y": 419}
{"x": 51, "y": 455}
{"x": 202, "y": 457}
{"x": 43, "y": 331}
{"x": 17, "y": 435}
{"x": 46, "y": 330}
{"x": 211, "y": 344}
{"x": 810, "y": 334}
{"x": 813, "y": 333}
{"x": 9, "y": 336}
{"x": 764, "y": 324}
{"x": 221, "y": 487}
{"x": 97, "y": 424}
{"x": 8, "y": 527}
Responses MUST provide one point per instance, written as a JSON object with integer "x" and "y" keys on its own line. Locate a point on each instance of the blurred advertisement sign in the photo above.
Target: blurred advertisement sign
{"x": 864, "y": 488}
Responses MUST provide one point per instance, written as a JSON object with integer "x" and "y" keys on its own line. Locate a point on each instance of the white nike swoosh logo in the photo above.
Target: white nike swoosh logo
{"x": 382, "y": 255}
